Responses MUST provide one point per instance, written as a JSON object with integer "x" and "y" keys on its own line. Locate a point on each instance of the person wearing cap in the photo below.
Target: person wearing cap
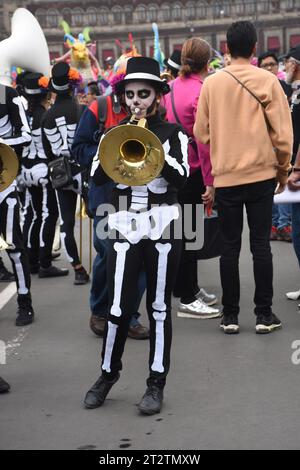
{"x": 173, "y": 63}
{"x": 138, "y": 238}
{"x": 292, "y": 69}
{"x": 39, "y": 232}
{"x": 244, "y": 115}
{"x": 181, "y": 107}
{"x": 15, "y": 132}
{"x": 58, "y": 129}
{"x": 108, "y": 73}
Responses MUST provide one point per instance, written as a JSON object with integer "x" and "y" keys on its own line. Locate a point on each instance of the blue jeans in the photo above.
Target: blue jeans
{"x": 281, "y": 215}
{"x": 296, "y": 229}
{"x": 99, "y": 291}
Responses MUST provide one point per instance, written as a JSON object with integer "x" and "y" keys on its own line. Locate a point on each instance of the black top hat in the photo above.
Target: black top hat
{"x": 294, "y": 53}
{"x": 143, "y": 69}
{"x": 174, "y": 61}
{"x": 59, "y": 82}
{"x": 32, "y": 86}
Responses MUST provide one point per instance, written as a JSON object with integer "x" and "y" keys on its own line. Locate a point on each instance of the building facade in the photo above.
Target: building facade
{"x": 277, "y": 22}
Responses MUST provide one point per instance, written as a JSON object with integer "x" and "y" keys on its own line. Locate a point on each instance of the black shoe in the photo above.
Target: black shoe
{"x": 52, "y": 271}
{"x": 95, "y": 397}
{"x": 4, "y": 386}
{"x": 6, "y": 276}
{"x": 230, "y": 324}
{"x": 267, "y": 323}
{"x": 151, "y": 402}
{"x": 81, "y": 277}
{"x": 25, "y": 316}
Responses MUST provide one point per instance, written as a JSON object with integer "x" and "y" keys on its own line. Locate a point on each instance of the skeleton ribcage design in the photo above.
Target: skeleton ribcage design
{"x": 36, "y": 147}
{"x": 61, "y": 137}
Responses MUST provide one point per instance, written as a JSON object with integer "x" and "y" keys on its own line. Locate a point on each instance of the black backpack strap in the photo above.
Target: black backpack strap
{"x": 116, "y": 103}
{"x": 102, "y": 112}
{"x": 252, "y": 94}
{"x": 173, "y": 104}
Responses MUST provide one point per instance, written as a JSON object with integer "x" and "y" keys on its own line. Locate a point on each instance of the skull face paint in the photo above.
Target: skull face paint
{"x": 139, "y": 97}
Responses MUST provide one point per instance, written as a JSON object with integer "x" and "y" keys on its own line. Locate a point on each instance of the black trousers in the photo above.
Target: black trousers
{"x": 257, "y": 199}
{"x": 67, "y": 200}
{"x": 39, "y": 234}
{"x": 186, "y": 286}
{"x": 160, "y": 259}
{"x": 11, "y": 231}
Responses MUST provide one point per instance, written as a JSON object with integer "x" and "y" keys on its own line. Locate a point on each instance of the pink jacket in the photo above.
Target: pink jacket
{"x": 186, "y": 95}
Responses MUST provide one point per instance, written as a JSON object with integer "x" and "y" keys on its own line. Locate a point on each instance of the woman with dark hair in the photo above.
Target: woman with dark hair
{"x": 142, "y": 235}
{"x": 181, "y": 106}
{"x": 39, "y": 231}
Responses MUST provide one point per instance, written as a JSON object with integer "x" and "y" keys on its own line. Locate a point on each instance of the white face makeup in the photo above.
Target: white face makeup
{"x": 139, "y": 96}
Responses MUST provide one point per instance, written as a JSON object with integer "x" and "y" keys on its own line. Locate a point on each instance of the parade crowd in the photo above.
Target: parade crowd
{"x": 229, "y": 127}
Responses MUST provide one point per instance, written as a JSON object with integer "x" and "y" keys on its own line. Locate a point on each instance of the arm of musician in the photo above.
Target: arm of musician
{"x": 97, "y": 173}
{"x": 176, "y": 168}
{"x": 21, "y": 134}
{"x": 84, "y": 145}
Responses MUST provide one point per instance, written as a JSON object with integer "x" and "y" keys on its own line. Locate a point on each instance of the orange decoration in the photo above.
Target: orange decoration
{"x": 43, "y": 82}
{"x": 74, "y": 75}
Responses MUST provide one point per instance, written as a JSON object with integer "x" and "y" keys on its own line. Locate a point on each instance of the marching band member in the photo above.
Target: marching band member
{"x": 15, "y": 132}
{"x": 58, "y": 130}
{"x": 141, "y": 241}
{"x": 39, "y": 232}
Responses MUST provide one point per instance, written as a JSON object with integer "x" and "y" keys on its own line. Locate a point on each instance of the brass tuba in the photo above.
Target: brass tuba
{"x": 130, "y": 154}
{"x": 9, "y": 166}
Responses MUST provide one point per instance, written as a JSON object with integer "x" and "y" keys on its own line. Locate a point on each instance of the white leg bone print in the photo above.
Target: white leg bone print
{"x": 121, "y": 249}
{"x": 110, "y": 341}
{"x": 45, "y": 210}
{"x": 159, "y": 305}
{"x": 20, "y": 273}
{"x": 11, "y": 202}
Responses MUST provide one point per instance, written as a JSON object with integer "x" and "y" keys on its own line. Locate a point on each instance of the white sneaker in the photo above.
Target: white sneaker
{"x": 293, "y": 295}
{"x": 208, "y": 299}
{"x": 197, "y": 309}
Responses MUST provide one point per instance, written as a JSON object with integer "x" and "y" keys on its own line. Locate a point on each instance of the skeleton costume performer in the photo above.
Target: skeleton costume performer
{"x": 39, "y": 232}
{"x": 140, "y": 240}
{"x": 58, "y": 129}
{"x": 15, "y": 131}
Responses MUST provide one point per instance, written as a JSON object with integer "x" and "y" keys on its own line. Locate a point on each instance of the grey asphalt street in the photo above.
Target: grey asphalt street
{"x": 223, "y": 392}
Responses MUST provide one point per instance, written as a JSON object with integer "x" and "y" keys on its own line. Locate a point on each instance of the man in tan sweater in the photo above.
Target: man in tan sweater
{"x": 250, "y": 135}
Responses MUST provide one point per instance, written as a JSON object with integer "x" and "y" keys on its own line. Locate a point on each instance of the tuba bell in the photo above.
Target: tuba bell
{"x": 9, "y": 166}
{"x": 130, "y": 154}
{"x": 26, "y": 47}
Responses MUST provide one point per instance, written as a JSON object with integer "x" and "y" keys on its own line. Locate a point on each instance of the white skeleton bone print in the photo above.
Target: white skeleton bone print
{"x": 61, "y": 137}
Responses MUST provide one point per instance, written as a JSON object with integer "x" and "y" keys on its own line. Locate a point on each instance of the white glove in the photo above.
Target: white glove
{"x": 33, "y": 175}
